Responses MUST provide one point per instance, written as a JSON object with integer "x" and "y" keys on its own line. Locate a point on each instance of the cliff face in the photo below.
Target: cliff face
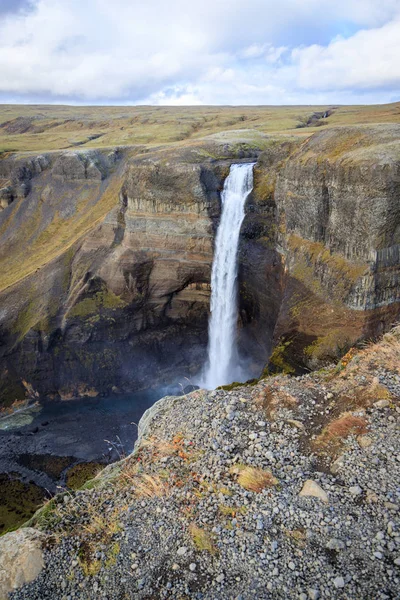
{"x": 338, "y": 220}
{"x": 106, "y": 258}
{"x": 116, "y": 302}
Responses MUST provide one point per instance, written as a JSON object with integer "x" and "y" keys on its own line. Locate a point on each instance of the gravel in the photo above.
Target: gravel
{"x": 270, "y": 543}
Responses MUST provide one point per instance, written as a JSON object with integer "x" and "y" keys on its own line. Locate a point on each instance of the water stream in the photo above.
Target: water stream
{"x": 223, "y": 365}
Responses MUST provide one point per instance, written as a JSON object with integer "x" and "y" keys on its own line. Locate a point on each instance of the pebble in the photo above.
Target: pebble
{"x": 311, "y": 488}
{"x": 338, "y": 582}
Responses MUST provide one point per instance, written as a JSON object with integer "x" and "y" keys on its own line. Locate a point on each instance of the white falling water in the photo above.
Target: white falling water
{"x": 222, "y": 365}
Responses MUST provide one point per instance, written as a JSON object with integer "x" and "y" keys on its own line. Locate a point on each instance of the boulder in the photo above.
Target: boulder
{"x": 21, "y": 559}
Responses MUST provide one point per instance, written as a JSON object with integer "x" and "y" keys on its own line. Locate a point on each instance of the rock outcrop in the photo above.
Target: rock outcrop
{"x": 121, "y": 249}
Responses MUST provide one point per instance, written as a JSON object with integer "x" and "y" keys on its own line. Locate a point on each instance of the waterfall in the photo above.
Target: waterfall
{"x": 222, "y": 364}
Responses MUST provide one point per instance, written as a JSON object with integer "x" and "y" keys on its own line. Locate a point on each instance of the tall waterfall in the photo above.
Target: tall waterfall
{"x": 222, "y": 365}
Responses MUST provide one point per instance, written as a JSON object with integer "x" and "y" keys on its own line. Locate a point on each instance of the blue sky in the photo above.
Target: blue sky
{"x": 209, "y": 52}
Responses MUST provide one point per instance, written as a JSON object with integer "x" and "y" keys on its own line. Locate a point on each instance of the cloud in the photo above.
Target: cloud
{"x": 217, "y": 51}
{"x": 14, "y": 6}
{"x": 370, "y": 59}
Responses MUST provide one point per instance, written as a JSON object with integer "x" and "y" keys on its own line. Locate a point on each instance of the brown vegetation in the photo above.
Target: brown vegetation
{"x": 252, "y": 479}
{"x": 331, "y": 438}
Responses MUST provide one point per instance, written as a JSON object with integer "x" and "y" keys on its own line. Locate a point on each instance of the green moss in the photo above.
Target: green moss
{"x": 278, "y": 358}
{"x": 46, "y": 516}
{"x": 112, "y": 555}
{"x": 236, "y": 384}
{"x": 264, "y": 188}
{"x": 79, "y": 474}
{"x": 91, "y": 306}
{"x": 330, "y": 346}
{"x": 18, "y": 502}
{"x": 27, "y": 318}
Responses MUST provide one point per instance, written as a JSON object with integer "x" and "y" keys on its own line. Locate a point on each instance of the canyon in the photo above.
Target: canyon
{"x": 106, "y": 261}
{"x": 106, "y": 257}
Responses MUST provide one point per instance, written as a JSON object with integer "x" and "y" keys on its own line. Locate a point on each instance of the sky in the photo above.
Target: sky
{"x": 180, "y": 52}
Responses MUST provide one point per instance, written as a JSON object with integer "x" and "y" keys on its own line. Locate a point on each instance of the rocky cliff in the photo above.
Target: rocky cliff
{"x": 106, "y": 257}
{"x": 337, "y": 197}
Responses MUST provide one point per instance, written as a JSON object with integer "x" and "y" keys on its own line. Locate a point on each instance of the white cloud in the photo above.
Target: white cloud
{"x": 216, "y": 51}
{"x": 369, "y": 59}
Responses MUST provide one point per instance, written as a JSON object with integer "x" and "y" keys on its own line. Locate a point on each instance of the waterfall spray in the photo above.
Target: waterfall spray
{"x": 222, "y": 364}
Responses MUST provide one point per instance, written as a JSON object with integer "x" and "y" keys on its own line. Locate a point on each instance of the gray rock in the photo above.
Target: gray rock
{"x": 338, "y": 582}
{"x": 21, "y": 559}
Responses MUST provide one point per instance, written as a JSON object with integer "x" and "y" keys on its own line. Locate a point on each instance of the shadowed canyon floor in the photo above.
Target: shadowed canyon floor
{"x": 47, "y": 446}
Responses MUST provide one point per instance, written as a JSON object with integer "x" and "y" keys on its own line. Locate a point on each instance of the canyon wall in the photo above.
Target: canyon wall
{"x": 338, "y": 231}
{"x": 106, "y": 256}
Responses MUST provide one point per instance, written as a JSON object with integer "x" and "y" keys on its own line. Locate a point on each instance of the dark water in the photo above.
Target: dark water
{"x": 39, "y": 445}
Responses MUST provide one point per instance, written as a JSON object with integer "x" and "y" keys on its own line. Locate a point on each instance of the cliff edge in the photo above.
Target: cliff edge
{"x": 285, "y": 489}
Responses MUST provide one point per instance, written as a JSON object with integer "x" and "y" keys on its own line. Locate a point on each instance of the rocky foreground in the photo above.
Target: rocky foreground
{"x": 286, "y": 489}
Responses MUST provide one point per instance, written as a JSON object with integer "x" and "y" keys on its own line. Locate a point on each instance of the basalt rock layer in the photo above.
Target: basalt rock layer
{"x": 106, "y": 258}
{"x": 337, "y": 198}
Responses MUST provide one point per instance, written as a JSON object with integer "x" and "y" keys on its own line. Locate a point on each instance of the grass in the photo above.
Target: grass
{"x": 253, "y": 479}
{"x": 148, "y": 486}
{"x": 202, "y": 539}
{"x": 79, "y": 474}
{"x": 60, "y": 127}
{"x": 92, "y": 305}
{"x": 95, "y": 201}
{"x": 331, "y": 439}
{"x": 18, "y": 502}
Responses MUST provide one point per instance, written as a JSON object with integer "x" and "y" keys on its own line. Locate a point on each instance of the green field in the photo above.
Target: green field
{"x": 45, "y": 127}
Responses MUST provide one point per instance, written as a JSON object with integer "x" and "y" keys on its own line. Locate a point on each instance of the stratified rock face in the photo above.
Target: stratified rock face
{"x": 337, "y": 198}
{"x": 126, "y": 306}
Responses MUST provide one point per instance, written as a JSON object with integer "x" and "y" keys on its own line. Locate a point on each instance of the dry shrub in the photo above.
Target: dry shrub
{"x": 252, "y": 479}
{"x": 385, "y": 353}
{"x": 102, "y": 527}
{"x": 228, "y": 511}
{"x": 148, "y": 486}
{"x": 155, "y": 448}
{"x": 351, "y": 397}
{"x": 348, "y": 357}
{"x": 202, "y": 539}
{"x": 330, "y": 440}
